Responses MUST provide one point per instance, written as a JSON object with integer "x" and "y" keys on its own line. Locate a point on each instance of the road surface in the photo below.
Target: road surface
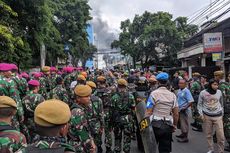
{"x": 197, "y": 144}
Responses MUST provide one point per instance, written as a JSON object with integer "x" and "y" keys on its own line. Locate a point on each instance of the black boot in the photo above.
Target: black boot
{"x": 227, "y": 148}
{"x": 99, "y": 150}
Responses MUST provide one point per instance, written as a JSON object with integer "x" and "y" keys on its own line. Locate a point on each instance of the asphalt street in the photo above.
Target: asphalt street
{"x": 197, "y": 144}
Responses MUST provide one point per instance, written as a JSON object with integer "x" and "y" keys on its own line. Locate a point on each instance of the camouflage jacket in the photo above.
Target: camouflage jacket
{"x": 196, "y": 88}
{"x": 45, "y": 86}
{"x": 79, "y": 132}
{"x": 45, "y": 142}
{"x": 59, "y": 93}
{"x": 53, "y": 81}
{"x": 95, "y": 114}
{"x": 11, "y": 91}
{"x": 67, "y": 81}
{"x": 105, "y": 95}
{"x": 10, "y": 139}
{"x": 30, "y": 102}
{"x": 225, "y": 89}
{"x": 24, "y": 87}
{"x": 122, "y": 108}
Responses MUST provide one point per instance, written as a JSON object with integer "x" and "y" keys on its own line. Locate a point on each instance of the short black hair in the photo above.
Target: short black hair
{"x": 163, "y": 82}
{"x": 7, "y": 112}
{"x": 31, "y": 87}
{"x": 59, "y": 80}
{"x": 45, "y": 130}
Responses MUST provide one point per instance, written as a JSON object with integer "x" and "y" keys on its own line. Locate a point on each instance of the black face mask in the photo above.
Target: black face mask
{"x": 210, "y": 89}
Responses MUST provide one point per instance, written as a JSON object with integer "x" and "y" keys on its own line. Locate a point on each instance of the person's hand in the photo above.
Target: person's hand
{"x": 201, "y": 117}
{"x": 174, "y": 128}
{"x": 93, "y": 148}
{"x": 101, "y": 130}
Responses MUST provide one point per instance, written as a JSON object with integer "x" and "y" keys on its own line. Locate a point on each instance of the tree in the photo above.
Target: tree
{"x": 71, "y": 21}
{"x": 13, "y": 48}
{"x": 154, "y": 38}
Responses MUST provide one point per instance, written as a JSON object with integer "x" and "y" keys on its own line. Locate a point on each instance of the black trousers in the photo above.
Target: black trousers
{"x": 163, "y": 134}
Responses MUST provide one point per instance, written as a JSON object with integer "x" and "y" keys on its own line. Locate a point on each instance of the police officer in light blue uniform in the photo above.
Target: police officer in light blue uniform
{"x": 162, "y": 107}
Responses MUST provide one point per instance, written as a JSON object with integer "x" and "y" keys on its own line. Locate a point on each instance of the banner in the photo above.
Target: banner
{"x": 216, "y": 57}
{"x": 213, "y": 42}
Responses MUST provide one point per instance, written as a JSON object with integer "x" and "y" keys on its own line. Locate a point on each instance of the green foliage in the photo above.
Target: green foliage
{"x": 153, "y": 38}
{"x": 25, "y": 25}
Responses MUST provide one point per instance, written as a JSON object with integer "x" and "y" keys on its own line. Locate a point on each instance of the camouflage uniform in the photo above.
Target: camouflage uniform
{"x": 30, "y": 102}
{"x": 96, "y": 120}
{"x": 10, "y": 139}
{"x": 45, "y": 142}
{"x": 59, "y": 93}
{"x": 45, "y": 86}
{"x": 195, "y": 89}
{"x": 105, "y": 94}
{"x": 67, "y": 81}
{"x": 79, "y": 132}
{"x": 24, "y": 86}
{"x": 12, "y": 91}
{"x": 225, "y": 88}
{"x": 123, "y": 104}
{"x": 53, "y": 81}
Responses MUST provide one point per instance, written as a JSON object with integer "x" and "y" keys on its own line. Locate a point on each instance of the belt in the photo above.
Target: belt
{"x": 159, "y": 118}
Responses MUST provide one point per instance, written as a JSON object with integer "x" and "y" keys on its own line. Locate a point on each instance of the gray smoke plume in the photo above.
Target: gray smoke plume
{"x": 104, "y": 35}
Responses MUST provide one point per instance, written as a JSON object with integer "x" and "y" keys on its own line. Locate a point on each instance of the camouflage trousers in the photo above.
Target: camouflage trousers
{"x": 226, "y": 121}
{"x": 125, "y": 134}
{"x": 108, "y": 130}
{"x": 196, "y": 115}
{"x": 98, "y": 141}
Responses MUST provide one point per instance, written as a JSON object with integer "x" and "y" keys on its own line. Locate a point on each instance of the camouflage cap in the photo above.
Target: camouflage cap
{"x": 91, "y": 84}
{"x": 219, "y": 73}
{"x": 81, "y": 77}
{"x": 122, "y": 82}
{"x": 6, "y": 101}
{"x": 82, "y": 90}
{"x": 52, "y": 112}
{"x": 45, "y": 69}
{"x": 101, "y": 78}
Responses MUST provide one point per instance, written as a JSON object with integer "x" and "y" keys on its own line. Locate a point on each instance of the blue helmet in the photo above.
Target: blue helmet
{"x": 162, "y": 76}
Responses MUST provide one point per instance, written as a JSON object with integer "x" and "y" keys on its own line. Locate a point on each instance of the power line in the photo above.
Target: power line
{"x": 200, "y": 21}
{"x": 216, "y": 18}
{"x": 205, "y": 11}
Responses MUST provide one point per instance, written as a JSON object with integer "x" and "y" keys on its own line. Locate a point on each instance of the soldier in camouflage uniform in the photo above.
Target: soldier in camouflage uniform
{"x": 195, "y": 89}
{"x": 96, "y": 117}
{"x": 53, "y": 77}
{"x": 123, "y": 106}
{"x": 30, "y": 102}
{"x": 51, "y": 118}
{"x": 10, "y": 139}
{"x": 79, "y": 132}
{"x": 225, "y": 89}
{"x": 68, "y": 78}
{"x": 59, "y": 92}
{"x": 104, "y": 93}
{"x": 81, "y": 80}
{"x": 45, "y": 82}
{"x": 9, "y": 88}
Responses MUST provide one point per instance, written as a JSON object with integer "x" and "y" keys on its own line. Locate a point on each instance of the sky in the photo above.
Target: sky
{"x": 108, "y": 14}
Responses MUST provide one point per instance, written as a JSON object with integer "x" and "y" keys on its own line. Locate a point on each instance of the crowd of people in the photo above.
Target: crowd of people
{"x": 69, "y": 110}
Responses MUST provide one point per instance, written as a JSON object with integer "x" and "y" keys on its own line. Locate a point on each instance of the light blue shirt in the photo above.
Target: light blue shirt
{"x": 184, "y": 97}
